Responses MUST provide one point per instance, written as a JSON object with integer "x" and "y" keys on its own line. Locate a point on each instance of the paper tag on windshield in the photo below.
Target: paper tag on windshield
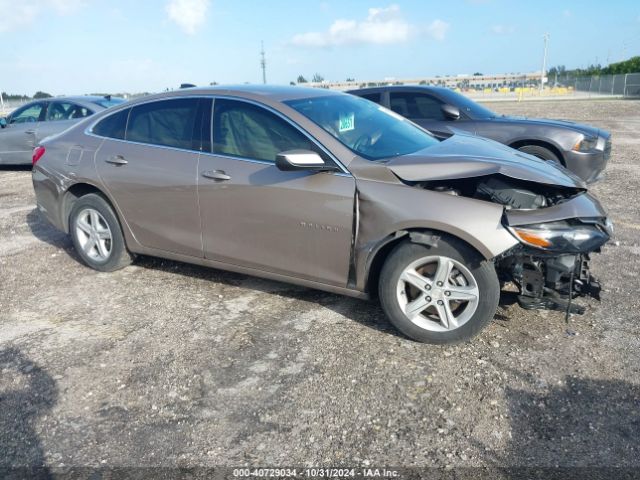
{"x": 347, "y": 122}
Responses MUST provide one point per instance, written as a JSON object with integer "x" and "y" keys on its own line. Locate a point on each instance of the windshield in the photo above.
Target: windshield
{"x": 371, "y": 131}
{"x": 468, "y": 106}
{"x": 108, "y": 102}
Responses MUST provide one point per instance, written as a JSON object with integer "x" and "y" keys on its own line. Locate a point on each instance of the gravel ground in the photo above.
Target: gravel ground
{"x": 167, "y": 364}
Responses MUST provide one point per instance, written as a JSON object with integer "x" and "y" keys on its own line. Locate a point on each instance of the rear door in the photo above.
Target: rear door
{"x": 253, "y": 214}
{"x": 151, "y": 171}
{"x": 18, "y": 138}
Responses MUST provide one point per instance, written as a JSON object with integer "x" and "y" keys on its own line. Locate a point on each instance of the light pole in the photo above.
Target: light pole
{"x": 544, "y": 61}
{"x": 263, "y": 64}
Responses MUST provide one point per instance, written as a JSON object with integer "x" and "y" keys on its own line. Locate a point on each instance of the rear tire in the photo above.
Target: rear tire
{"x": 96, "y": 234}
{"x": 453, "y": 296}
{"x": 541, "y": 152}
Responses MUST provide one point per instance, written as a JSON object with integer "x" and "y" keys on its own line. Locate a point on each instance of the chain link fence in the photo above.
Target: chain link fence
{"x": 625, "y": 85}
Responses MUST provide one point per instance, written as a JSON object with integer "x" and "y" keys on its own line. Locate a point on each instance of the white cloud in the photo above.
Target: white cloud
{"x": 382, "y": 26}
{"x": 189, "y": 15}
{"x": 503, "y": 29}
{"x": 438, "y": 29}
{"x": 19, "y": 14}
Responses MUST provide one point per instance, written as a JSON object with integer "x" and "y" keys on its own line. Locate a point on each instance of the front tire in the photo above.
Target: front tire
{"x": 442, "y": 294}
{"x": 541, "y": 152}
{"x": 96, "y": 234}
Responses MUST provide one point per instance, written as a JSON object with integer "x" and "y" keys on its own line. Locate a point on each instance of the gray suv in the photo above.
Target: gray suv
{"x": 325, "y": 190}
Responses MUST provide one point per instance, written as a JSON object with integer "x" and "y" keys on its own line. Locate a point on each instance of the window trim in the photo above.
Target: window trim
{"x": 89, "y": 130}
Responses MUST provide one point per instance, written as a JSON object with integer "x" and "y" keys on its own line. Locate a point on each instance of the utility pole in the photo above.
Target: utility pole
{"x": 544, "y": 61}
{"x": 263, "y": 64}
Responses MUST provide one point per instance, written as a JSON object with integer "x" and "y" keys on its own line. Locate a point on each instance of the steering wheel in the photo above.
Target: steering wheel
{"x": 362, "y": 143}
{"x": 29, "y": 119}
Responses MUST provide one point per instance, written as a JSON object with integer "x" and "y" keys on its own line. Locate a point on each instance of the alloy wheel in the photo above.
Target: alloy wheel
{"x": 94, "y": 234}
{"x": 437, "y": 293}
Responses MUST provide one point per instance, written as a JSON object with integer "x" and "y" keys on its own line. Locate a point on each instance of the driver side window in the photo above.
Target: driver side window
{"x": 27, "y": 114}
{"x": 416, "y": 106}
{"x": 241, "y": 129}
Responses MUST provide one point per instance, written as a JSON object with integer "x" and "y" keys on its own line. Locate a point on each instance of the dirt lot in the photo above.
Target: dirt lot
{"x": 167, "y": 364}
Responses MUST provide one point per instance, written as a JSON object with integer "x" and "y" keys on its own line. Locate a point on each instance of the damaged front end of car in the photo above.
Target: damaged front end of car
{"x": 551, "y": 264}
{"x": 557, "y": 228}
{"x": 533, "y": 219}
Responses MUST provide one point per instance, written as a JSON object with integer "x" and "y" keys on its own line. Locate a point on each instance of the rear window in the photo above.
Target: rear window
{"x": 109, "y": 102}
{"x": 113, "y": 126}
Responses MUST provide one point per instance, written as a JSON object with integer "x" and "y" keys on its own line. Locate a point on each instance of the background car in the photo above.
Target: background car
{"x": 328, "y": 191}
{"x": 583, "y": 149}
{"x": 21, "y": 131}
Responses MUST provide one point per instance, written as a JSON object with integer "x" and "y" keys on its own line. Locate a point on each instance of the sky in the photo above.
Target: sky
{"x": 85, "y": 46}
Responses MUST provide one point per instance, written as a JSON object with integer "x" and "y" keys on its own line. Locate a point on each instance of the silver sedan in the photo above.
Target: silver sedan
{"x": 21, "y": 131}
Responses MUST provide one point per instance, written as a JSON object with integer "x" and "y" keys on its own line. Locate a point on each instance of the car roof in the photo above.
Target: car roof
{"x": 87, "y": 100}
{"x": 401, "y": 88}
{"x": 273, "y": 93}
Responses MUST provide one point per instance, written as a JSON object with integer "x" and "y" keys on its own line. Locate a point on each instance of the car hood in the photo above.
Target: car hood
{"x": 466, "y": 156}
{"x": 587, "y": 130}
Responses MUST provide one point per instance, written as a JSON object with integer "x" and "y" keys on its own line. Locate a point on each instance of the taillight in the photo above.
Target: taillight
{"x": 38, "y": 152}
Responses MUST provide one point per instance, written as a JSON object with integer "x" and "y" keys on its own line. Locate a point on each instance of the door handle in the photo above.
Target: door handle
{"x": 117, "y": 160}
{"x": 30, "y": 132}
{"x": 216, "y": 175}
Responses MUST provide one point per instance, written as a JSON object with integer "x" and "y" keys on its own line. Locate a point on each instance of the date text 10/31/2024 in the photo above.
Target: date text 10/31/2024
{"x": 315, "y": 473}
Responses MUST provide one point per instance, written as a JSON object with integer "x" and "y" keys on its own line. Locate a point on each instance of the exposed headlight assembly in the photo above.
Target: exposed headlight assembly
{"x": 561, "y": 237}
{"x": 586, "y": 145}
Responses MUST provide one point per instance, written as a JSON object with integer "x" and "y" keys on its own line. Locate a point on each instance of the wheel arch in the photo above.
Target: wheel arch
{"x": 420, "y": 235}
{"x": 540, "y": 143}
{"x": 74, "y": 193}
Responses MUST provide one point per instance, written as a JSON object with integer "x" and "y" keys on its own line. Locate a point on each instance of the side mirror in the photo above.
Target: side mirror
{"x": 300, "y": 160}
{"x": 450, "y": 112}
{"x": 3, "y": 122}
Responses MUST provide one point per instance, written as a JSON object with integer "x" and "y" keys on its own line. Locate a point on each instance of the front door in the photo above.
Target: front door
{"x": 18, "y": 138}
{"x": 253, "y": 214}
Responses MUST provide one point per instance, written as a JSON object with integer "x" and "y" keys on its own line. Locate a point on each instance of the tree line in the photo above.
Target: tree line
{"x": 627, "y": 66}
{"x": 12, "y": 96}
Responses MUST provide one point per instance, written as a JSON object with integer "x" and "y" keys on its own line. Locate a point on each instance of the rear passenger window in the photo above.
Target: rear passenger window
{"x": 113, "y": 126}
{"x": 167, "y": 123}
{"x": 244, "y": 130}
{"x": 416, "y": 106}
{"x": 66, "y": 111}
